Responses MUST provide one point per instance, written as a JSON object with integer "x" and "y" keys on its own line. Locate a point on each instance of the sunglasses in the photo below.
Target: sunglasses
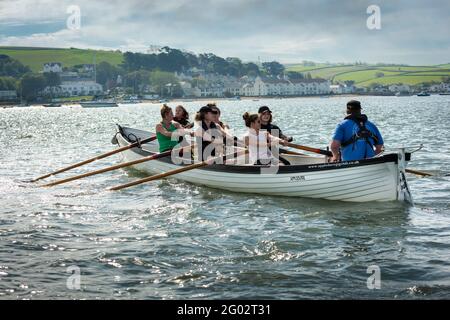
{"x": 215, "y": 112}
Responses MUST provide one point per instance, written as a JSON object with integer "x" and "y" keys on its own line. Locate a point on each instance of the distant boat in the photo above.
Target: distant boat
{"x": 423, "y": 94}
{"x": 444, "y": 94}
{"x": 163, "y": 100}
{"x": 131, "y": 101}
{"x": 52, "y": 105}
{"x": 402, "y": 94}
{"x": 98, "y": 104}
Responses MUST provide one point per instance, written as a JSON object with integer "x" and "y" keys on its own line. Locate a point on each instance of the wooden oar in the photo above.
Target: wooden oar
{"x": 319, "y": 151}
{"x": 420, "y": 173}
{"x": 285, "y": 151}
{"x": 107, "y": 154}
{"x": 172, "y": 172}
{"x": 115, "y": 167}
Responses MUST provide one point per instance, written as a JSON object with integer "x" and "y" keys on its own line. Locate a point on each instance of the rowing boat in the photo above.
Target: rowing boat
{"x": 381, "y": 178}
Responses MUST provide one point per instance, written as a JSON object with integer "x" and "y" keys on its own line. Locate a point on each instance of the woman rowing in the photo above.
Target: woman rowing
{"x": 168, "y": 131}
{"x": 182, "y": 117}
{"x": 266, "y": 124}
{"x": 216, "y": 114}
{"x": 258, "y": 142}
{"x": 208, "y": 132}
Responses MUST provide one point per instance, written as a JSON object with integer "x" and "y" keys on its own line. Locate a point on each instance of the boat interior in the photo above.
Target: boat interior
{"x": 133, "y": 135}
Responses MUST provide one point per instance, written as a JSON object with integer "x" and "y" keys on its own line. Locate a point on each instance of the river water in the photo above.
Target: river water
{"x": 174, "y": 240}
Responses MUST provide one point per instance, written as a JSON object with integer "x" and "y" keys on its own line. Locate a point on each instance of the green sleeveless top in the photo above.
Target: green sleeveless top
{"x": 166, "y": 143}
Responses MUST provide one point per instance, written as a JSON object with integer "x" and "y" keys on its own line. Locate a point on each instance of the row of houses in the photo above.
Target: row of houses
{"x": 75, "y": 88}
{"x": 260, "y": 86}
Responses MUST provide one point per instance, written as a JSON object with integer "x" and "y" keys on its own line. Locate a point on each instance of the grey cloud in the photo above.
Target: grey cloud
{"x": 285, "y": 30}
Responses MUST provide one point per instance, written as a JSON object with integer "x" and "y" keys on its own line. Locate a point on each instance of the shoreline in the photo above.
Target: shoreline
{"x": 214, "y": 99}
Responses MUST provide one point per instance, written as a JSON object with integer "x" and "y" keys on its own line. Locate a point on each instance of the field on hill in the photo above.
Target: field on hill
{"x": 364, "y": 75}
{"x": 36, "y": 57}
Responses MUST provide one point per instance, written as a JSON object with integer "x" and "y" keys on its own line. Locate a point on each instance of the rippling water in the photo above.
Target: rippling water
{"x": 173, "y": 240}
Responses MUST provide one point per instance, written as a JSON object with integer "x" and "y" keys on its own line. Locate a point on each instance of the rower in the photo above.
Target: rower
{"x": 258, "y": 142}
{"x": 166, "y": 130}
{"x": 182, "y": 117}
{"x": 216, "y": 119}
{"x": 208, "y": 132}
{"x": 266, "y": 124}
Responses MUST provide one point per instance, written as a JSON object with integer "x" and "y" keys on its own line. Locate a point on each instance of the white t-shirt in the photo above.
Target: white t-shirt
{"x": 258, "y": 149}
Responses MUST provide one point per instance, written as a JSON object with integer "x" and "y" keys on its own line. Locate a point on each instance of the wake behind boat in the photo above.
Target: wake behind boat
{"x": 381, "y": 178}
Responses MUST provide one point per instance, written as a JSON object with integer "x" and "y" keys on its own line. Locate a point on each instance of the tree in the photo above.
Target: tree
{"x": 172, "y": 60}
{"x": 235, "y": 67}
{"x": 137, "y": 80}
{"x": 7, "y": 83}
{"x": 273, "y": 68}
{"x": 107, "y": 73}
{"x": 52, "y": 79}
{"x": 136, "y": 61}
{"x": 11, "y": 68}
{"x": 191, "y": 59}
{"x": 293, "y": 75}
{"x": 251, "y": 69}
{"x": 31, "y": 85}
{"x": 165, "y": 84}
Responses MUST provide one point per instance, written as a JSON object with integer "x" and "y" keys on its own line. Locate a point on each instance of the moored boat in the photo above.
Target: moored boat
{"x": 98, "y": 104}
{"x": 381, "y": 178}
{"x": 52, "y": 105}
{"x": 423, "y": 94}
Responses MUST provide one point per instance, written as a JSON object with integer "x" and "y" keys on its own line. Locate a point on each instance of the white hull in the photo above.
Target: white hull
{"x": 380, "y": 180}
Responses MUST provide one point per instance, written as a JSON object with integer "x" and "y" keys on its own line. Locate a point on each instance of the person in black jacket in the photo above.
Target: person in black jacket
{"x": 265, "y": 114}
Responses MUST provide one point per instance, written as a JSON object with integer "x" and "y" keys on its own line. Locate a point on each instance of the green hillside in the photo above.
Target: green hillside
{"x": 36, "y": 57}
{"x": 364, "y": 75}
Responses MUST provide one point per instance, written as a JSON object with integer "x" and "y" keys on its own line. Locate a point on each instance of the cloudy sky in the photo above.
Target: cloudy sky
{"x": 412, "y": 31}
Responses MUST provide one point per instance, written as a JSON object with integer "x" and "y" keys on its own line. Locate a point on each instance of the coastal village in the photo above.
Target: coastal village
{"x": 56, "y": 82}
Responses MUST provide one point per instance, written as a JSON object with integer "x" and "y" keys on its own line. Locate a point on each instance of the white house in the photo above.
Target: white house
{"x": 209, "y": 90}
{"x": 76, "y": 88}
{"x": 342, "y": 89}
{"x": 233, "y": 88}
{"x": 53, "y": 67}
{"x": 399, "y": 88}
{"x": 283, "y": 87}
{"x": 441, "y": 87}
{"x": 187, "y": 88}
{"x": 88, "y": 68}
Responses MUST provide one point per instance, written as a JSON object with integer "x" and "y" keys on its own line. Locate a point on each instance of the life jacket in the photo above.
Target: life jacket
{"x": 362, "y": 134}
